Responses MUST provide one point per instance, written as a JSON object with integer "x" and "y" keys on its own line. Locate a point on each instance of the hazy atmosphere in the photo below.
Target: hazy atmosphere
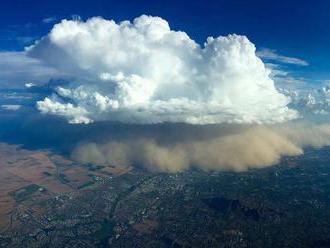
{"x": 147, "y": 115}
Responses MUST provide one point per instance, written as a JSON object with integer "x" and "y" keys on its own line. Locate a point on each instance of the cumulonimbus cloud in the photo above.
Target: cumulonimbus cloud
{"x": 144, "y": 72}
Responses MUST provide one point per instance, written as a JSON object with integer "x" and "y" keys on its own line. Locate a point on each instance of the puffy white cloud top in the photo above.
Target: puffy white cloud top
{"x": 144, "y": 72}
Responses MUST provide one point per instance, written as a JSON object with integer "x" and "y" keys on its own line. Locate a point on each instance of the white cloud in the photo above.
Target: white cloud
{"x": 269, "y": 54}
{"x": 63, "y": 109}
{"x": 29, "y": 85}
{"x": 311, "y": 101}
{"x": 144, "y": 72}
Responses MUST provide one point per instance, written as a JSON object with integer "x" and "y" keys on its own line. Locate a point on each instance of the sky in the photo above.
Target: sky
{"x": 222, "y": 74}
{"x": 202, "y": 62}
{"x": 293, "y": 28}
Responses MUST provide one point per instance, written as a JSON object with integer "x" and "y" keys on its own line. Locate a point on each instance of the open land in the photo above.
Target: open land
{"x": 49, "y": 200}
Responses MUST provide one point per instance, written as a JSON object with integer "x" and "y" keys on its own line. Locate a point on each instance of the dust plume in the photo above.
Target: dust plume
{"x": 241, "y": 149}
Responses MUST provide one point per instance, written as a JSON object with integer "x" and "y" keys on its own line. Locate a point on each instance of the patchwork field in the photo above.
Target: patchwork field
{"x": 26, "y": 175}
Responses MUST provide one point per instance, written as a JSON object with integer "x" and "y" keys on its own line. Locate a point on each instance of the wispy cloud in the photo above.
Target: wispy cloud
{"x": 11, "y": 107}
{"x": 284, "y": 78}
{"x": 284, "y": 75}
{"x": 16, "y": 69}
{"x": 21, "y": 35}
{"x": 23, "y": 40}
{"x": 49, "y": 19}
{"x": 272, "y": 55}
{"x": 75, "y": 17}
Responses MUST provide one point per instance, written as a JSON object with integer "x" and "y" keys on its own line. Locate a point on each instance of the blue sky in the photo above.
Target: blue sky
{"x": 293, "y": 28}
